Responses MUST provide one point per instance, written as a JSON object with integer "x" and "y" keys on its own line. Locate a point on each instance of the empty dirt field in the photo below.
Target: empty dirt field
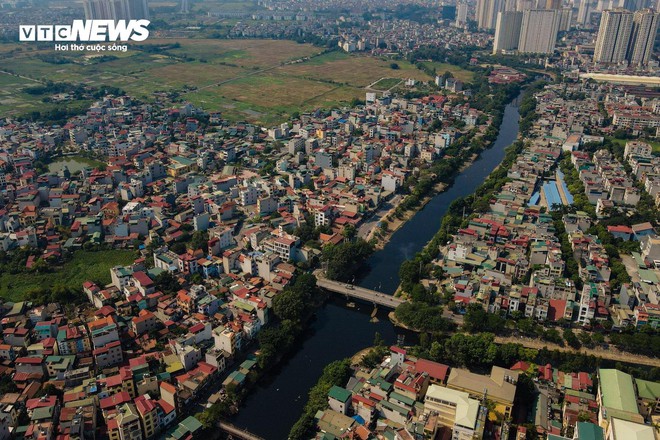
{"x": 262, "y": 81}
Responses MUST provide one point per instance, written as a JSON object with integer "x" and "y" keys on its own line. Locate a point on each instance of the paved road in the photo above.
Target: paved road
{"x": 631, "y": 267}
{"x": 611, "y": 353}
{"x": 21, "y": 76}
{"x": 365, "y": 228}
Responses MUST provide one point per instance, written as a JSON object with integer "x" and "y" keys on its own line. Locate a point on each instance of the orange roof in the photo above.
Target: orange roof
{"x": 102, "y": 322}
{"x": 168, "y": 387}
{"x": 144, "y": 315}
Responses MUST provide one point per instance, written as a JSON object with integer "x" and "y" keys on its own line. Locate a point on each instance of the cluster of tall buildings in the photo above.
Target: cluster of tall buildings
{"x": 528, "y": 26}
{"x": 116, "y": 9}
{"x": 588, "y": 7}
{"x": 626, "y": 34}
{"x": 626, "y": 37}
{"x": 529, "y": 31}
{"x": 488, "y": 10}
{"x": 461, "y": 14}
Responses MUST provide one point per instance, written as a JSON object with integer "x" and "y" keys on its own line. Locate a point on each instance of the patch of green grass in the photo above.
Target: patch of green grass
{"x": 230, "y": 5}
{"x": 622, "y": 142}
{"x": 353, "y": 70}
{"x": 656, "y": 146}
{"x": 94, "y": 266}
{"x": 244, "y": 99}
{"x": 12, "y": 97}
{"x": 386, "y": 83}
{"x": 14, "y": 81}
{"x": 328, "y": 57}
{"x": 441, "y": 68}
{"x": 75, "y": 163}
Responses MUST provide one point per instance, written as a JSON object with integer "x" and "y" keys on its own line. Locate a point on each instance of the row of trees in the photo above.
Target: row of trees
{"x": 575, "y": 186}
{"x": 335, "y": 373}
{"x": 479, "y": 351}
{"x": 472, "y": 351}
{"x": 645, "y": 341}
{"x": 641, "y": 342}
{"x": 423, "y": 317}
{"x": 439, "y": 54}
{"x": 58, "y": 115}
{"x": 59, "y": 294}
{"x": 343, "y": 260}
{"x": 291, "y": 307}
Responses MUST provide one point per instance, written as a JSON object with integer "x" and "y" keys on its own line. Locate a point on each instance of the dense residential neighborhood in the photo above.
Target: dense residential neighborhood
{"x": 166, "y": 214}
{"x": 517, "y": 238}
{"x": 512, "y": 257}
{"x": 213, "y": 214}
{"x": 407, "y": 397}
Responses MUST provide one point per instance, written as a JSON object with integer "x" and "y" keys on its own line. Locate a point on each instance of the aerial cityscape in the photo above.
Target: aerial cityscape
{"x": 341, "y": 219}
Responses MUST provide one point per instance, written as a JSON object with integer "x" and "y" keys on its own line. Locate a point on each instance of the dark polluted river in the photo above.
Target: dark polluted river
{"x": 383, "y": 266}
{"x": 338, "y": 331}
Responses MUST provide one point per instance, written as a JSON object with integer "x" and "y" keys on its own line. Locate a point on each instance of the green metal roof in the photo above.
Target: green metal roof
{"x": 44, "y": 413}
{"x": 191, "y": 424}
{"x": 639, "y": 260}
{"x": 237, "y": 377}
{"x": 648, "y": 276}
{"x": 589, "y": 431}
{"x": 248, "y": 364}
{"x": 617, "y": 390}
{"x": 124, "y": 272}
{"x": 244, "y": 306}
{"x": 183, "y": 160}
{"x": 647, "y": 389}
{"x": 401, "y": 398}
{"x": 393, "y": 407}
{"x": 338, "y": 393}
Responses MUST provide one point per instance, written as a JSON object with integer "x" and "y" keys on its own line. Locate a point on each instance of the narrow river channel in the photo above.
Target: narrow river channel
{"x": 383, "y": 271}
{"x": 338, "y": 331}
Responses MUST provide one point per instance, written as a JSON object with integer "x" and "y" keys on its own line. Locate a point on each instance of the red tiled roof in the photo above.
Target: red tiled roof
{"x": 435, "y": 370}
{"x": 115, "y": 400}
{"x": 29, "y": 360}
{"x": 143, "y": 279}
{"x": 144, "y": 405}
